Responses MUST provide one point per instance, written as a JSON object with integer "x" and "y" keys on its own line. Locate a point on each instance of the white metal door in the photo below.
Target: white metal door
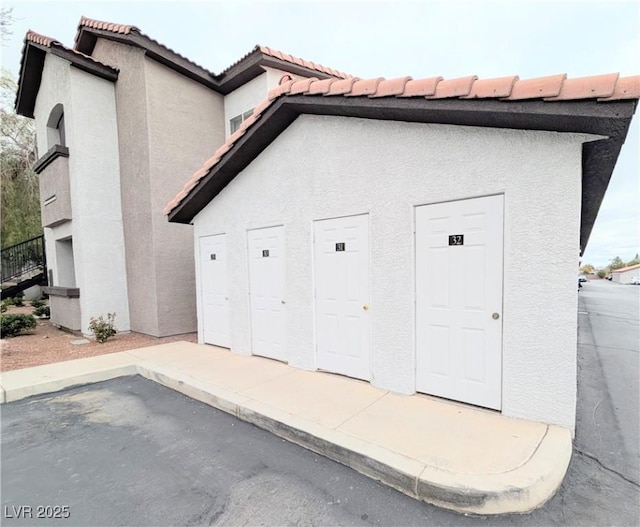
{"x": 341, "y": 248}
{"x": 459, "y": 300}
{"x": 266, "y": 288}
{"x": 214, "y": 283}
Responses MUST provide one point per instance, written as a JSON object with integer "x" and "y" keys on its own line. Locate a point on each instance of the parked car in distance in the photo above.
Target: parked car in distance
{"x": 635, "y": 280}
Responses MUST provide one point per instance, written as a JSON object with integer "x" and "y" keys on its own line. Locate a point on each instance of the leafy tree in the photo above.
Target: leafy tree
{"x": 20, "y": 213}
{"x": 635, "y": 261}
{"x": 602, "y": 273}
{"x": 587, "y": 269}
{"x": 6, "y": 19}
{"x": 616, "y": 263}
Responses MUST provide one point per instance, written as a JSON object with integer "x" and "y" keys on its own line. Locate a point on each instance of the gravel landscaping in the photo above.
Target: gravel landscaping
{"x": 47, "y": 344}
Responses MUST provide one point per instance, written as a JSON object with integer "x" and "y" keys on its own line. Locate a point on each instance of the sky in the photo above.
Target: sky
{"x": 397, "y": 38}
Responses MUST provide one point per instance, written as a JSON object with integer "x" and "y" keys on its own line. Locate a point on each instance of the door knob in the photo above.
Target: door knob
{"x": 365, "y": 307}
{"x": 282, "y": 302}
{"x": 495, "y": 316}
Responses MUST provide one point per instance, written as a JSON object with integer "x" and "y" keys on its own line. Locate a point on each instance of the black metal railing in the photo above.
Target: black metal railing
{"x": 23, "y": 258}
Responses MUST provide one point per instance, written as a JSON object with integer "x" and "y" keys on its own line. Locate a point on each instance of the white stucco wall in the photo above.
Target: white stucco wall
{"x": 251, "y": 94}
{"x": 323, "y": 167}
{"x": 624, "y": 277}
{"x": 244, "y": 98}
{"x": 96, "y": 227}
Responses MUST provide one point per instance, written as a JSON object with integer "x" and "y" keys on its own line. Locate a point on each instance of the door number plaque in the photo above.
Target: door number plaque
{"x": 213, "y": 256}
{"x": 265, "y": 253}
{"x": 456, "y": 239}
{"x": 340, "y": 247}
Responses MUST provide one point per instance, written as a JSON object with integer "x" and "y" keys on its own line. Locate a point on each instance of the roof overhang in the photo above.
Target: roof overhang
{"x": 249, "y": 67}
{"x": 610, "y": 120}
{"x": 32, "y": 65}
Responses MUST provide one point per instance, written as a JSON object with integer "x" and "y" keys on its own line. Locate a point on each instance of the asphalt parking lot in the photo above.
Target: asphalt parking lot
{"x": 132, "y": 452}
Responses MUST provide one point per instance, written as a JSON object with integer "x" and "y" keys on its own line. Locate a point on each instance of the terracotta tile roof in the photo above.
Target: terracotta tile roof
{"x": 302, "y": 62}
{"x": 128, "y": 29}
{"x": 555, "y": 88}
{"x": 107, "y": 26}
{"x": 122, "y": 29}
{"x": 631, "y": 267}
{"x": 24, "y": 104}
{"x": 49, "y": 42}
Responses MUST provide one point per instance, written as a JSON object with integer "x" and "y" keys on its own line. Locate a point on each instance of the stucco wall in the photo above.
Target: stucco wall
{"x": 243, "y": 99}
{"x": 133, "y": 146}
{"x": 184, "y": 123}
{"x": 251, "y": 94}
{"x": 98, "y": 238}
{"x": 54, "y": 183}
{"x": 625, "y": 277}
{"x": 323, "y": 167}
{"x": 65, "y": 313}
{"x": 94, "y": 184}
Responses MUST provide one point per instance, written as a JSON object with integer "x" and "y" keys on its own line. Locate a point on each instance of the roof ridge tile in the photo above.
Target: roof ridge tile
{"x": 420, "y": 87}
{"x": 342, "y": 86}
{"x": 537, "y": 87}
{"x": 491, "y": 88}
{"x": 625, "y": 88}
{"x": 302, "y": 85}
{"x": 587, "y": 87}
{"x": 298, "y": 61}
{"x": 391, "y": 87}
{"x": 364, "y": 87}
{"x": 447, "y": 88}
{"x": 107, "y": 26}
{"x": 321, "y": 87}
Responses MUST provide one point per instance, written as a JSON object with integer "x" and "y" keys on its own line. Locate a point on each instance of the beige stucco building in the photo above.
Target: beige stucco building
{"x": 121, "y": 122}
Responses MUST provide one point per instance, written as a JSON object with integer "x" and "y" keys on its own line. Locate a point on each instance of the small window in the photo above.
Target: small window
{"x": 235, "y": 123}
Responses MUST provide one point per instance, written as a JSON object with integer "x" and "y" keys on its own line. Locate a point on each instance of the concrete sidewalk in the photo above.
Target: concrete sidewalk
{"x": 451, "y": 455}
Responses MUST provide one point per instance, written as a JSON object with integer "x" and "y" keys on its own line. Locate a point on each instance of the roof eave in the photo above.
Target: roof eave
{"x": 610, "y": 119}
{"x": 32, "y": 65}
{"x": 253, "y": 65}
{"x": 88, "y": 36}
{"x": 245, "y": 70}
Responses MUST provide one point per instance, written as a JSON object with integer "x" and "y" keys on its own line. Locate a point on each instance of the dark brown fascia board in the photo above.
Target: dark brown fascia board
{"x": 254, "y": 64}
{"x": 89, "y": 36}
{"x": 31, "y": 77}
{"x": 606, "y": 119}
{"x": 48, "y": 158}
{"x": 247, "y": 69}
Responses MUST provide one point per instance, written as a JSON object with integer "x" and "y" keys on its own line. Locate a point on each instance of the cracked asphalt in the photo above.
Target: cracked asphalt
{"x": 132, "y": 452}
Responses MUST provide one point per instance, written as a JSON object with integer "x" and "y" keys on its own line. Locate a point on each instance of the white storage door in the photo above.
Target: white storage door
{"x": 459, "y": 276}
{"x": 214, "y": 289}
{"x": 266, "y": 289}
{"x": 342, "y": 293}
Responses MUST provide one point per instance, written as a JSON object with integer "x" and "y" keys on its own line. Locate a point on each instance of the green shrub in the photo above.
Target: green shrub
{"x": 4, "y": 307}
{"x": 37, "y": 303}
{"x": 15, "y": 324}
{"x": 16, "y": 300}
{"x": 42, "y": 311}
{"x": 103, "y": 329}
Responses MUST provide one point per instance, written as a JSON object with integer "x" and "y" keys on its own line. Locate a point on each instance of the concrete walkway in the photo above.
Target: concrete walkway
{"x": 451, "y": 455}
